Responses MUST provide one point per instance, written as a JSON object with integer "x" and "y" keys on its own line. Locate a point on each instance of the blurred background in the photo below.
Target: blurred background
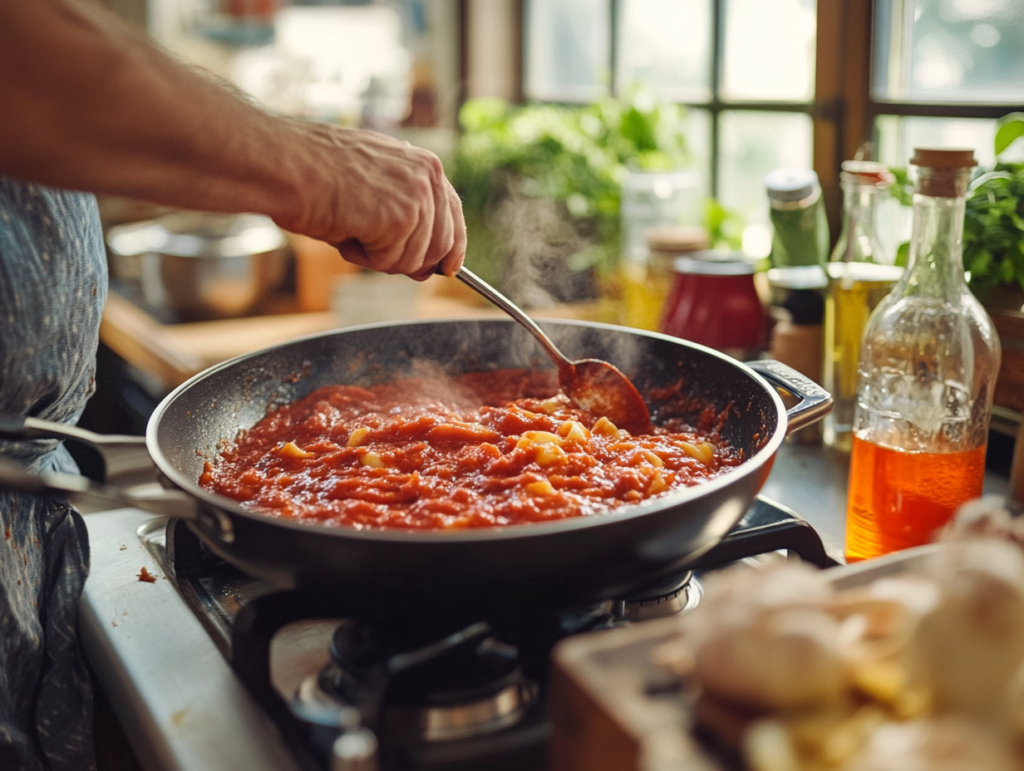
{"x": 573, "y": 127}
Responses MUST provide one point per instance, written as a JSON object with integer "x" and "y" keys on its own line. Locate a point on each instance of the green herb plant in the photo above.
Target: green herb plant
{"x": 994, "y": 219}
{"x": 993, "y": 243}
{"x": 575, "y": 156}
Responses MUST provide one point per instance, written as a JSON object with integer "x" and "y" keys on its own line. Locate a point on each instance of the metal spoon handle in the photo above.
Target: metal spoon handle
{"x": 470, "y": 279}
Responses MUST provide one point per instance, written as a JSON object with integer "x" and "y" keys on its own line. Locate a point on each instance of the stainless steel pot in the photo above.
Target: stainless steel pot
{"x": 203, "y": 265}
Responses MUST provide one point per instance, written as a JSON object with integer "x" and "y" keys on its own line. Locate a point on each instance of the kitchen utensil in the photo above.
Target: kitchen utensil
{"x": 590, "y": 384}
{"x": 203, "y": 265}
{"x": 393, "y": 573}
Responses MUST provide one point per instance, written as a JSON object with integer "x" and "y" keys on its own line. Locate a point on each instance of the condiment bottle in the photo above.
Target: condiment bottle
{"x": 860, "y": 274}
{"x": 800, "y": 235}
{"x": 928, "y": 365}
{"x": 647, "y": 281}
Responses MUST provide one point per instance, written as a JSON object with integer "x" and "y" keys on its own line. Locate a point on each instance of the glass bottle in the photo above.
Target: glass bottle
{"x": 860, "y": 274}
{"x": 928, "y": 365}
{"x": 800, "y": 234}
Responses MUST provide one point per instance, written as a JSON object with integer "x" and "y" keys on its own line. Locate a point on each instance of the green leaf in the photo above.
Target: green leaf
{"x": 902, "y": 254}
{"x": 1009, "y": 129}
{"x": 980, "y": 264}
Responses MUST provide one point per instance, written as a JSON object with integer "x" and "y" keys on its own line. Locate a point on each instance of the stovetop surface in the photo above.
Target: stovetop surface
{"x": 207, "y": 651}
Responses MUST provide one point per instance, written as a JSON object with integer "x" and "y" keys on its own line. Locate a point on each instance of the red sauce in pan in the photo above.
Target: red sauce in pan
{"x": 486, "y": 449}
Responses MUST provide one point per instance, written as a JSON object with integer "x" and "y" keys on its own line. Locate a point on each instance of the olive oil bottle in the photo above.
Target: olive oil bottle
{"x": 860, "y": 274}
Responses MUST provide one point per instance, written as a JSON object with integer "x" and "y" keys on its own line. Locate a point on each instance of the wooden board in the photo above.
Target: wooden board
{"x": 609, "y": 707}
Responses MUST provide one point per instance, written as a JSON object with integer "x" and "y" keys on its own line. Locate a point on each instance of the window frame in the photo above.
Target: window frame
{"x": 843, "y": 109}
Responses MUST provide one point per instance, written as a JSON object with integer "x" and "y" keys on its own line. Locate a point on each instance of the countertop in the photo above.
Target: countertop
{"x": 811, "y": 480}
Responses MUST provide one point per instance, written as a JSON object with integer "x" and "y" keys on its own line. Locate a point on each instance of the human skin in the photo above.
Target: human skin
{"x": 88, "y": 103}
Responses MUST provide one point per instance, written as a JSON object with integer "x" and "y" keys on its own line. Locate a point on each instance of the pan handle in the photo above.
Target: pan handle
{"x": 815, "y": 402}
{"x": 121, "y": 454}
{"x": 79, "y": 490}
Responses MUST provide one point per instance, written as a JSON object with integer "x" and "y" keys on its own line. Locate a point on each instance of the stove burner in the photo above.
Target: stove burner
{"x": 465, "y": 684}
{"x": 667, "y": 598}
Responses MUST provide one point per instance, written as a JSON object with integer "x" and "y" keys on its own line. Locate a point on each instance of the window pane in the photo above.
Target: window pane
{"x": 897, "y": 137}
{"x": 665, "y": 44}
{"x": 950, "y": 50}
{"x": 750, "y": 145}
{"x": 698, "y": 142}
{"x": 769, "y": 50}
{"x": 568, "y": 48}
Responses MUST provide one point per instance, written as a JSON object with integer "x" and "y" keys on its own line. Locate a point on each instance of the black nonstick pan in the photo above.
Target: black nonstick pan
{"x": 396, "y": 572}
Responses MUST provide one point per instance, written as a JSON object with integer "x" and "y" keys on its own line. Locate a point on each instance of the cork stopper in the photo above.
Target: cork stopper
{"x": 943, "y": 173}
{"x": 944, "y": 158}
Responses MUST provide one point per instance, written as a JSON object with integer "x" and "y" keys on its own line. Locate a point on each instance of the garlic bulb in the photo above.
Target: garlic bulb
{"x": 972, "y": 643}
{"x": 765, "y": 639}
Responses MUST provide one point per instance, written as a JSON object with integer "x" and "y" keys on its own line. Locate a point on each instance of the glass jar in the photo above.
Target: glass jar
{"x": 860, "y": 274}
{"x": 654, "y": 201}
{"x": 928, "y": 365}
{"x": 714, "y": 302}
{"x": 646, "y": 283}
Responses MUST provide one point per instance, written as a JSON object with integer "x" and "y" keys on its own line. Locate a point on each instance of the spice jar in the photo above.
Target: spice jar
{"x": 713, "y": 302}
{"x": 646, "y": 282}
{"x": 798, "y": 308}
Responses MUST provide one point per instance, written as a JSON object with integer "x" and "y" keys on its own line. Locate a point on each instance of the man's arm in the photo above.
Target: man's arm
{"x": 87, "y": 103}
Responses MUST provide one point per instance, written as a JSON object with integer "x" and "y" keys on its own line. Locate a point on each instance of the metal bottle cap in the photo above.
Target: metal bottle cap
{"x": 791, "y": 185}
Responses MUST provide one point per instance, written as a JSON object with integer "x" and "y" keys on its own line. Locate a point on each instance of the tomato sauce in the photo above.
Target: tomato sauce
{"x": 480, "y": 450}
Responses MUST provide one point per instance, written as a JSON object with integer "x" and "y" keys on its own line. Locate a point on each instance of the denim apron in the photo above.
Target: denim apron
{"x": 52, "y": 288}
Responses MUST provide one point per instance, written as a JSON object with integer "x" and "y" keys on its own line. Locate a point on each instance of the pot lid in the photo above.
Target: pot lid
{"x": 198, "y": 234}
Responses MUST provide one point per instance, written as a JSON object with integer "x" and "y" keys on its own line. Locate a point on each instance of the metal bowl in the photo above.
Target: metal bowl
{"x": 202, "y": 265}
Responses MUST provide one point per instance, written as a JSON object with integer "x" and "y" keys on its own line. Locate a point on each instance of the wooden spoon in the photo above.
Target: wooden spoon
{"x": 590, "y": 384}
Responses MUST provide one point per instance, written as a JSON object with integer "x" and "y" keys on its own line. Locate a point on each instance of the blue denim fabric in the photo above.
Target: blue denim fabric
{"x": 52, "y": 289}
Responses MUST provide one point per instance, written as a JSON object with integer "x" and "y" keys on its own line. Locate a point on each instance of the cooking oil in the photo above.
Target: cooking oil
{"x": 854, "y": 290}
{"x": 860, "y": 274}
{"x": 644, "y": 291}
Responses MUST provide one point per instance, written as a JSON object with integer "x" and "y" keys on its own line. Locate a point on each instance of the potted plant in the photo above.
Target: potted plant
{"x": 542, "y": 188}
{"x": 994, "y": 256}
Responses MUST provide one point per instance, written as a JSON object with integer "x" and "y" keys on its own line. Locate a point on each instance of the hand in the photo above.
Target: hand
{"x": 385, "y": 204}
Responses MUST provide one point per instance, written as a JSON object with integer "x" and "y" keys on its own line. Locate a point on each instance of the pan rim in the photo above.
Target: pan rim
{"x": 479, "y": 534}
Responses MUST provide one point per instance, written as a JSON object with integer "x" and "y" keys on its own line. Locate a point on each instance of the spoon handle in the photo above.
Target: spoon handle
{"x": 470, "y": 279}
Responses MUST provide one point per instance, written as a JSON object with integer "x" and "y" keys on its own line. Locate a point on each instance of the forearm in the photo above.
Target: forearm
{"x": 86, "y": 103}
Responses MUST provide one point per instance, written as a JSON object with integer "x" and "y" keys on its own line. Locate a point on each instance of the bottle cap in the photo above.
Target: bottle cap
{"x": 944, "y": 158}
{"x": 789, "y": 185}
{"x": 802, "y": 277}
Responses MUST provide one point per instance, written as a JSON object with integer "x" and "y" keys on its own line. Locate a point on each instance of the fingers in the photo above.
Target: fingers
{"x": 457, "y": 254}
{"x": 405, "y": 217}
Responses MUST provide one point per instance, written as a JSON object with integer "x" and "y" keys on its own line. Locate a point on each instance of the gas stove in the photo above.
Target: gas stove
{"x": 209, "y": 668}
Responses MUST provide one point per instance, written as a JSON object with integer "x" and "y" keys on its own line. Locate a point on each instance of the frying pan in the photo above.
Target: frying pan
{"x": 392, "y": 572}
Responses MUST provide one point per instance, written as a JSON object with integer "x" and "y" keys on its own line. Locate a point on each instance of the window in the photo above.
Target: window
{"x": 772, "y": 83}
{"x": 744, "y": 69}
{"x": 944, "y": 70}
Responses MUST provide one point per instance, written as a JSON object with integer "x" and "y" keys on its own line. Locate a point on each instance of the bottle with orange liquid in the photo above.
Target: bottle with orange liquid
{"x": 928, "y": 364}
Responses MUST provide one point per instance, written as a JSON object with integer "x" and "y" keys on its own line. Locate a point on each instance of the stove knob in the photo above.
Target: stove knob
{"x": 355, "y": 750}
